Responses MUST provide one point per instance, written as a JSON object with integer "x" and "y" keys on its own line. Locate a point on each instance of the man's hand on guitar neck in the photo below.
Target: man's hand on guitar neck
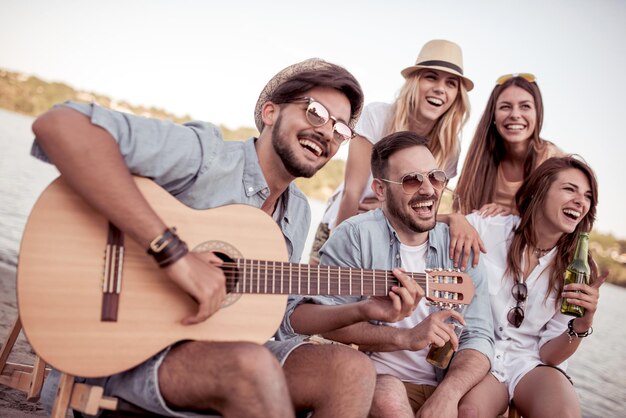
{"x": 400, "y": 303}
{"x": 200, "y": 275}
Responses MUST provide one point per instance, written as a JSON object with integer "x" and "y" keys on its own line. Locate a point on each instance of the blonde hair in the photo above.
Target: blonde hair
{"x": 444, "y": 137}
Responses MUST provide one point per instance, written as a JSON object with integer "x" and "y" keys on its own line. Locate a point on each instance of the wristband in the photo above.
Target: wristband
{"x": 571, "y": 333}
{"x": 167, "y": 248}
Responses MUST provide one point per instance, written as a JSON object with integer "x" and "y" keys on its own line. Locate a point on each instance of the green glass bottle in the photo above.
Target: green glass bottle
{"x": 578, "y": 271}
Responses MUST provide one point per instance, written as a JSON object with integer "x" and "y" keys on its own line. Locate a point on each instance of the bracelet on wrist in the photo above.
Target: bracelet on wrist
{"x": 167, "y": 248}
{"x": 571, "y": 333}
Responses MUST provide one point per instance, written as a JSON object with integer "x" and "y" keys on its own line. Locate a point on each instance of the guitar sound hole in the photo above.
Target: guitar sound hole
{"x": 231, "y": 272}
{"x": 227, "y": 253}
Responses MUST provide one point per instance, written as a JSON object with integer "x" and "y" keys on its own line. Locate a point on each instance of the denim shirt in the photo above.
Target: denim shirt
{"x": 194, "y": 164}
{"x": 369, "y": 241}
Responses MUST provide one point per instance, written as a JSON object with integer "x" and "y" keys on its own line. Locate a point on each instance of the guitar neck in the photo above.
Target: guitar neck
{"x": 275, "y": 277}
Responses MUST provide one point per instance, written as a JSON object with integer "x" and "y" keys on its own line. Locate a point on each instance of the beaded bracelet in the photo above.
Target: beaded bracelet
{"x": 167, "y": 248}
{"x": 571, "y": 333}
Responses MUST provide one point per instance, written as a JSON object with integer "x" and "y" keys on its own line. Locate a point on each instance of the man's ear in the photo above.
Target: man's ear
{"x": 379, "y": 189}
{"x": 269, "y": 113}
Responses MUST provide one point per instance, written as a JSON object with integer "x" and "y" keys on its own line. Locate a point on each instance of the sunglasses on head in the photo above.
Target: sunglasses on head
{"x": 413, "y": 181}
{"x": 516, "y": 314}
{"x": 317, "y": 115}
{"x": 526, "y": 76}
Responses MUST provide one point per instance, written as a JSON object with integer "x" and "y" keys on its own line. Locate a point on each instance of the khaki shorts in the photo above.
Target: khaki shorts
{"x": 418, "y": 394}
{"x": 321, "y": 236}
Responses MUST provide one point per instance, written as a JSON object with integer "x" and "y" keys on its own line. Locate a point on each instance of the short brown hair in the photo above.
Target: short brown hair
{"x": 391, "y": 144}
{"x": 333, "y": 76}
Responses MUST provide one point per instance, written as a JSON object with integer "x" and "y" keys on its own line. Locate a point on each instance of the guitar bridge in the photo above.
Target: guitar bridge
{"x": 112, "y": 274}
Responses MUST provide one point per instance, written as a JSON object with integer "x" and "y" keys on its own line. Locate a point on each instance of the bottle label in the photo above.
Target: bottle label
{"x": 576, "y": 277}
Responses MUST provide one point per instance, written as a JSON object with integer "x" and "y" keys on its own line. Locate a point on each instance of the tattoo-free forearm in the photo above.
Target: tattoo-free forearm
{"x": 311, "y": 318}
{"x": 370, "y": 337}
{"x": 558, "y": 349}
{"x": 91, "y": 163}
{"x": 468, "y": 367}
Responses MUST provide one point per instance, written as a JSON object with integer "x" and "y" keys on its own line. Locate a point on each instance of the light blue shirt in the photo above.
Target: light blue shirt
{"x": 369, "y": 241}
{"x": 193, "y": 163}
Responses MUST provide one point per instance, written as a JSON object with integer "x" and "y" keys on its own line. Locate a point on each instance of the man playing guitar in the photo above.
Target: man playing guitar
{"x": 402, "y": 234}
{"x": 304, "y": 114}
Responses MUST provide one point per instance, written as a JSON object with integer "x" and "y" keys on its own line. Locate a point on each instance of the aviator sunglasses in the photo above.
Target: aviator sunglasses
{"x": 413, "y": 181}
{"x": 317, "y": 115}
{"x": 526, "y": 76}
{"x": 516, "y": 314}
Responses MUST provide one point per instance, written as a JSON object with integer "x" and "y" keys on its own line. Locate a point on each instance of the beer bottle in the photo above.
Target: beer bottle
{"x": 577, "y": 272}
{"x": 440, "y": 356}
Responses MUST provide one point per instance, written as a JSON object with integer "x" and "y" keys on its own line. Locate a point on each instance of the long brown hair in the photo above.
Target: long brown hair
{"x": 444, "y": 137}
{"x": 530, "y": 200}
{"x": 477, "y": 182}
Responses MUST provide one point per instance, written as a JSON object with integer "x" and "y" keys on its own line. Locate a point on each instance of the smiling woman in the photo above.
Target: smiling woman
{"x": 433, "y": 103}
{"x": 505, "y": 149}
{"x": 533, "y": 339}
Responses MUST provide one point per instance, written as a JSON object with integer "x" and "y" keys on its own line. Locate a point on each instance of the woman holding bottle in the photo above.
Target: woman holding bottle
{"x": 433, "y": 102}
{"x": 526, "y": 259}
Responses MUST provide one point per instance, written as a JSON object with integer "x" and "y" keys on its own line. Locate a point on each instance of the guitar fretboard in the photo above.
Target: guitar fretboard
{"x": 275, "y": 277}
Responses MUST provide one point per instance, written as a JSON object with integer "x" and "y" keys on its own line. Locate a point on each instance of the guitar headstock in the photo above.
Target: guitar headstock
{"x": 448, "y": 288}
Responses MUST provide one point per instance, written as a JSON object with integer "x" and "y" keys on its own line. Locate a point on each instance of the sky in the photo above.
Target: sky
{"x": 212, "y": 60}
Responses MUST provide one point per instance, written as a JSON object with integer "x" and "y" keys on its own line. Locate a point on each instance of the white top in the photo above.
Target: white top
{"x": 517, "y": 349}
{"x": 409, "y": 366}
{"x": 372, "y": 125}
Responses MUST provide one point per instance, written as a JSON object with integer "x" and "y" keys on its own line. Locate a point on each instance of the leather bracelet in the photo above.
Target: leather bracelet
{"x": 174, "y": 255}
{"x": 167, "y": 248}
{"x": 571, "y": 333}
{"x": 160, "y": 242}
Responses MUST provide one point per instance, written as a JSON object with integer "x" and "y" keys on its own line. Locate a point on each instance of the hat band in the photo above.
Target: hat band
{"x": 438, "y": 63}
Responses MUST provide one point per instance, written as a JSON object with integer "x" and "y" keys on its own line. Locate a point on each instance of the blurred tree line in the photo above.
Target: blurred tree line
{"x": 32, "y": 96}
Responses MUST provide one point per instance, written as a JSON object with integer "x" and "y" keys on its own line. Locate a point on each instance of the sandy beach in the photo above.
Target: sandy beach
{"x": 13, "y": 403}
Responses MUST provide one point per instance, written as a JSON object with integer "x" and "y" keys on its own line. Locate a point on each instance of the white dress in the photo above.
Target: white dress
{"x": 517, "y": 349}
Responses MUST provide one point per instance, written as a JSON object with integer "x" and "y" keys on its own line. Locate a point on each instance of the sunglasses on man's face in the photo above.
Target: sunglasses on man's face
{"x": 516, "y": 314}
{"x": 317, "y": 115}
{"x": 412, "y": 182}
{"x": 526, "y": 76}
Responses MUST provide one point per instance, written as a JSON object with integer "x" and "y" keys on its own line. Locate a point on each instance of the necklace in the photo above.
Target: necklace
{"x": 540, "y": 252}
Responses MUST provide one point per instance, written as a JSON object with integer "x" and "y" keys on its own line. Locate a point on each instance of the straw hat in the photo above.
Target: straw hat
{"x": 440, "y": 55}
{"x": 311, "y": 64}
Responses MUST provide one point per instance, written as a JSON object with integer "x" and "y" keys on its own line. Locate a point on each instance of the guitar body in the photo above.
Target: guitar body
{"x": 60, "y": 280}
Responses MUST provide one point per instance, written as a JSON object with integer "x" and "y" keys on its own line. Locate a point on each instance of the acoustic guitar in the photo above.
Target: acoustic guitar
{"x": 93, "y": 304}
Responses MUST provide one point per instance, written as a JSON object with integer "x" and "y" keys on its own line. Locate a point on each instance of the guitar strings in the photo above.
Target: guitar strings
{"x": 237, "y": 278}
{"x": 330, "y": 282}
{"x": 332, "y": 277}
{"x": 329, "y": 274}
{"x": 283, "y": 285}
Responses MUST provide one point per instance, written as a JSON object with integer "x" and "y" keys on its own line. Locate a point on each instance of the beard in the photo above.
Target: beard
{"x": 281, "y": 144}
{"x": 403, "y": 216}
